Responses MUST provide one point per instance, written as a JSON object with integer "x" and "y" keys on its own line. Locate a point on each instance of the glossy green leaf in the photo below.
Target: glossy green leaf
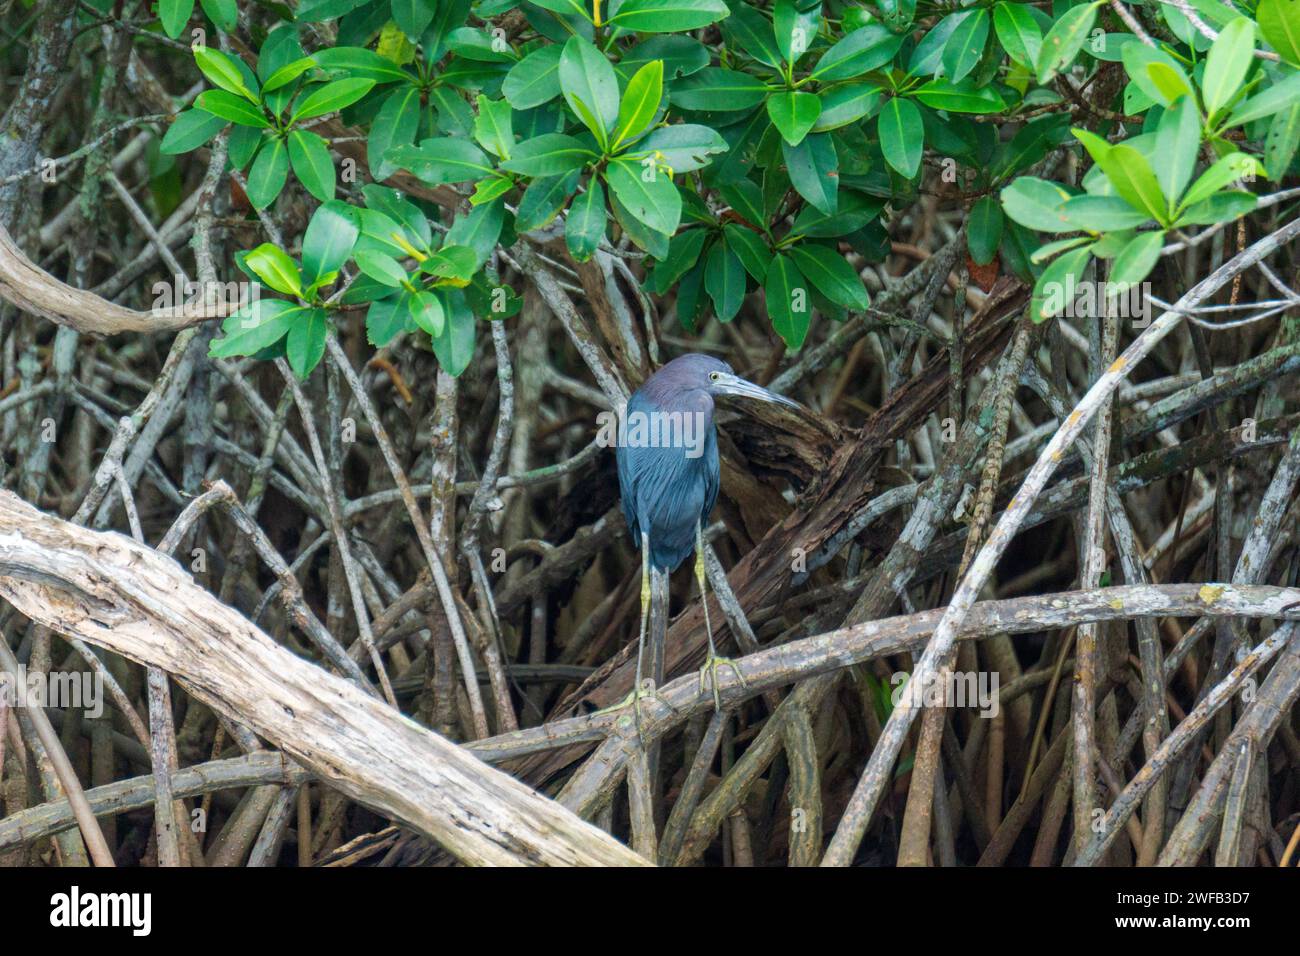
{"x": 1058, "y": 286}
{"x": 330, "y": 98}
{"x": 273, "y": 266}
{"x": 793, "y": 114}
{"x": 1065, "y": 39}
{"x": 1135, "y": 260}
{"x": 310, "y": 157}
{"x": 680, "y": 257}
{"x": 1279, "y": 96}
{"x": 585, "y": 225}
{"x": 667, "y": 16}
{"x": 1178, "y": 139}
{"x": 175, "y": 15}
{"x": 268, "y": 175}
{"x": 1133, "y": 178}
{"x": 494, "y": 127}
{"x": 1281, "y": 142}
{"x": 1018, "y": 31}
{"x": 846, "y": 104}
{"x": 814, "y": 171}
{"x": 724, "y": 280}
{"x": 1279, "y": 23}
{"x": 682, "y": 147}
{"x": 329, "y": 239}
{"x": 647, "y": 194}
{"x": 305, "y": 345}
{"x": 222, "y": 72}
{"x": 718, "y": 90}
{"x": 590, "y": 87}
{"x": 232, "y": 107}
{"x": 788, "y": 302}
{"x": 750, "y": 248}
{"x": 865, "y": 49}
{"x": 984, "y": 230}
{"x": 963, "y": 97}
{"x": 902, "y": 135}
{"x": 535, "y": 79}
{"x": 543, "y": 200}
{"x": 190, "y": 130}
{"x": 427, "y": 313}
{"x": 1227, "y": 63}
{"x": 966, "y": 45}
{"x": 383, "y": 269}
{"x": 549, "y": 155}
{"x": 255, "y": 327}
{"x": 1037, "y": 204}
{"x": 454, "y": 348}
{"x": 443, "y": 160}
{"x": 830, "y": 275}
{"x": 640, "y": 103}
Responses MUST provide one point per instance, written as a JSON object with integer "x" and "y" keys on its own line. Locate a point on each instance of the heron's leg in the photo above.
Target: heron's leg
{"x": 640, "y": 689}
{"x": 709, "y": 672}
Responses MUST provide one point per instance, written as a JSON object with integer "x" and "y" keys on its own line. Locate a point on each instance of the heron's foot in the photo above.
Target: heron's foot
{"x": 709, "y": 676}
{"x": 645, "y": 689}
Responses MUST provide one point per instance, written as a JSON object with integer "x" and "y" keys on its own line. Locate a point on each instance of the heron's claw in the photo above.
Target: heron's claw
{"x": 709, "y": 676}
{"x": 645, "y": 689}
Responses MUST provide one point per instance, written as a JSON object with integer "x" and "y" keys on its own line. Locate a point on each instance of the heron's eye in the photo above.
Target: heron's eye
{"x": 714, "y": 376}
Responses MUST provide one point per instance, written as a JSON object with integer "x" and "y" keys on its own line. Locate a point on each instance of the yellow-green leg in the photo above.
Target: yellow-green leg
{"x": 709, "y": 672}
{"x": 642, "y": 688}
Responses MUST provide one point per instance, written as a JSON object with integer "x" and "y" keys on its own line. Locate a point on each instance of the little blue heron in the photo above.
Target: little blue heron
{"x": 668, "y": 475}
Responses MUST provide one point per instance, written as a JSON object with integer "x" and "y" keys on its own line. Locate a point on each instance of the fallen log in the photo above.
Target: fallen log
{"x": 117, "y": 594}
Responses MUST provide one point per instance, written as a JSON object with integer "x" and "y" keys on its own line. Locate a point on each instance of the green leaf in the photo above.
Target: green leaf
{"x": 793, "y": 114}
{"x": 288, "y": 73}
{"x": 1102, "y": 214}
{"x": 795, "y": 24}
{"x": 724, "y": 279}
{"x": 966, "y": 45}
{"x": 853, "y": 213}
{"x": 494, "y": 127}
{"x": 311, "y": 163}
{"x": 443, "y": 160}
{"x": 1065, "y": 39}
{"x": 984, "y": 230}
{"x": 1178, "y": 138}
{"x": 1227, "y": 63}
{"x": 175, "y": 15}
{"x": 222, "y": 72}
{"x": 749, "y": 31}
{"x": 329, "y": 239}
{"x": 786, "y": 293}
{"x": 1058, "y": 286}
{"x": 330, "y": 98}
{"x": 585, "y": 225}
{"x": 1226, "y": 170}
{"x": 396, "y": 124}
{"x": 543, "y": 200}
{"x": 902, "y": 135}
{"x": 963, "y": 97}
{"x": 1279, "y": 23}
{"x": 647, "y": 194}
{"x": 306, "y": 343}
{"x": 231, "y": 107}
{"x": 1134, "y": 261}
{"x": 268, "y": 175}
{"x": 1156, "y": 73}
{"x": 426, "y": 311}
{"x": 479, "y": 229}
{"x": 414, "y": 16}
{"x": 846, "y": 104}
{"x": 457, "y": 263}
{"x": 1220, "y": 207}
{"x": 1018, "y": 31}
{"x": 589, "y": 86}
{"x": 190, "y": 130}
{"x": 535, "y": 79}
{"x": 1281, "y": 142}
{"x": 682, "y": 254}
{"x": 640, "y": 103}
{"x": 814, "y": 171}
{"x": 273, "y": 266}
{"x": 454, "y": 348}
{"x": 718, "y": 90}
{"x": 1037, "y": 204}
{"x": 682, "y": 147}
{"x": 1279, "y": 96}
{"x": 360, "y": 62}
{"x": 667, "y": 16}
{"x": 253, "y": 328}
{"x": 386, "y": 318}
{"x": 865, "y": 49}
{"x": 1132, "y": 176}
{"x": 750, "y": 248}
{"x": 549, "y": 155}
{"x": 830, "y": 275}
{"x": 383, "y": 269}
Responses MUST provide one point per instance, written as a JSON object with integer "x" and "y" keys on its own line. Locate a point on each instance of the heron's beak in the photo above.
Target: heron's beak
{"x": 735, "y": 385}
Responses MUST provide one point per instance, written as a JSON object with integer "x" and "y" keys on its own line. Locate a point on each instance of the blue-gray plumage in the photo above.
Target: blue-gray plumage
{"x": 668, "y": 472}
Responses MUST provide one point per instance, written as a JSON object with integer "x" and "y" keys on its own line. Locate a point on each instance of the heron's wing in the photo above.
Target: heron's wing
{"x": 627, "y": 491}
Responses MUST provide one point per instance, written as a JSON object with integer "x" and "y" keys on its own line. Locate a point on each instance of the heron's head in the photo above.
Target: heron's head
{"x": 714, "y": 376}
